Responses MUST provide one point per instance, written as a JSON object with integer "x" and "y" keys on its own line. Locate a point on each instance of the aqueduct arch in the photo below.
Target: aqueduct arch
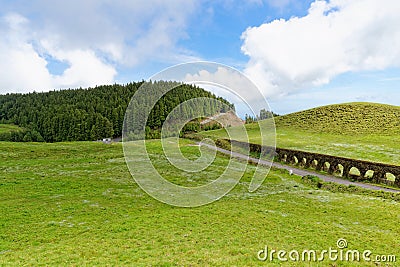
{"x": 349, "y": 168}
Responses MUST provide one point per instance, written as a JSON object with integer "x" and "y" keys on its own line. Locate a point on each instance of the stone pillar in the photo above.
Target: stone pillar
{"x": 301, "y": 159}
{"x": 292, "y": 160}
{"x": 320, "y": 165}
{"x": 281, "y": 156}
{"x": 379, "y": 176}
{"x": 363, "y": 172}
{"x": 332, "y": 168}
{"x": 346, "y": 170}
{"x": 308, "y": 162}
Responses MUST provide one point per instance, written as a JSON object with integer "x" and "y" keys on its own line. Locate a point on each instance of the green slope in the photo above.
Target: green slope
{"x": 8, "y": 128}
{"x": 364, "y": 131}
{"x": 349, "y": 118}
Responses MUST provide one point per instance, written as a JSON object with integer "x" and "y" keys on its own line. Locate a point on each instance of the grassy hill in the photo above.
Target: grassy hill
{"x": 364, "y": 131}
{"x": 11, "y": 132}
{"x": 8, "y": 128}
{"x": 76, "y": 204}
{"x": 349, "y": 118}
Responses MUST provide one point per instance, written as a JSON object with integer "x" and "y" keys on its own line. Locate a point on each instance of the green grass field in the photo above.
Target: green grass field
{"x": 76, "y": 204}
{"x": 362, "y": 131}
{"x": 6, "y": 128}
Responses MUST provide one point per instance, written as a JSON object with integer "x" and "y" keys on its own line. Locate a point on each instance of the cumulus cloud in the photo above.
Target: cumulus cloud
{"x": 333, "y": 38}
{"x": 20, "y": 65}
{"x": 223, "y": 76}
{"x": 232, "y": 85}
{"x": 127, "y": 32}
{"x": 93, "y": 38}
{"x": 85, "y": 69}
{"x": 23, "y": 62}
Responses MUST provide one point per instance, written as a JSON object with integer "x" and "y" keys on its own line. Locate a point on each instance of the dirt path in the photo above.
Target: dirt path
{"x": 302, "y": 172}
{"x": 212, "y": 118}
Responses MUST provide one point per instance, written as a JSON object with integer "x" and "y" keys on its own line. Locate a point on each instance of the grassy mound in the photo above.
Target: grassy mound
{"x": 363, "y": 131}
{"x": 349, "y": 118}
{"x": 8, "y": 128}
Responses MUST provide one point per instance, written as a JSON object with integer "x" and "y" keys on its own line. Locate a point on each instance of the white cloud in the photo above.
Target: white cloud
{"x": 231, "y": 85}
{"x": 94, "y": 38}
{"x": 233, "y": 81}
{"x": 333, "y": 38}
{"x": 23, "y": 66}
{"x": 85, "y": 69}
{"x": 20, "y": 65}
{"x": 127, "y": 32}
{"x": 222, "y": 75}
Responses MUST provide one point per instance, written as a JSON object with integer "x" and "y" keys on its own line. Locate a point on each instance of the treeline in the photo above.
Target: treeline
{"x": 21, "y": 135}
{"x": 92, "y": 113}
{"x": 264, "y": 114}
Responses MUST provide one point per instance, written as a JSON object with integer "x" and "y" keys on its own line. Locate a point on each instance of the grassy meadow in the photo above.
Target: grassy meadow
{"x": 6, "y": 128}
{"x": 362, "y": 131}
{"x": 76, "y": 204}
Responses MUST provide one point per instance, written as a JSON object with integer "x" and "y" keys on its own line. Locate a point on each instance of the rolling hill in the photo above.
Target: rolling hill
{"x": 11, "y": 132}
{"x": 348, "y": 118}
{"x": 7, "y": 128}
{"x": 364, "y": 131}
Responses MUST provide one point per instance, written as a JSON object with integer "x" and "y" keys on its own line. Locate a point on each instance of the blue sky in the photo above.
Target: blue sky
{"x": 300, "y": 54}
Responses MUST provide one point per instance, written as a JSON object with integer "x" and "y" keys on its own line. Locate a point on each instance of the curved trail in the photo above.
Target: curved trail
{"x": 301, "y": 172}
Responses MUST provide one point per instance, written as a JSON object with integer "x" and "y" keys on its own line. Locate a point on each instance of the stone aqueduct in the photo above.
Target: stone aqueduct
{"x": 348, "y": 168}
